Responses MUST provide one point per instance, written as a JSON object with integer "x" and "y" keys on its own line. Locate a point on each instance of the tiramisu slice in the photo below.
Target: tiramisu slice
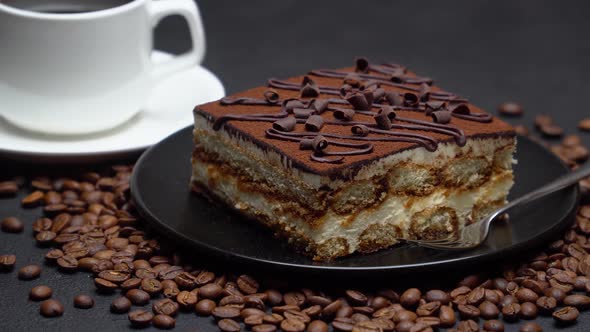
{"x": 353, "y": 159}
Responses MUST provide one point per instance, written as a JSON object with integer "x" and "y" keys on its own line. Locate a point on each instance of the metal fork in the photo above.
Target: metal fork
{"x": 475, "y": 234}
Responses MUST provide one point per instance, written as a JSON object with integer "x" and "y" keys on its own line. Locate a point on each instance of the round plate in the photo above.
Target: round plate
{"x": 167, "y": 111}
{"x": 160, "y": 188}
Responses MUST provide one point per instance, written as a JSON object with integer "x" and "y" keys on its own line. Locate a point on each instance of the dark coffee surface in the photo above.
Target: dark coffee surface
{"x": 64, "y": 6}
{"x": 527, "y": 51}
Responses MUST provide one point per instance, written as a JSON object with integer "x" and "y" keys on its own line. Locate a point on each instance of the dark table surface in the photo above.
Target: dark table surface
{"x": 532, "y": 52}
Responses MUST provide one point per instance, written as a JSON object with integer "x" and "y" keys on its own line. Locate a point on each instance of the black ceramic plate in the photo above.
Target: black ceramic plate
{"x": 160, "y": 188}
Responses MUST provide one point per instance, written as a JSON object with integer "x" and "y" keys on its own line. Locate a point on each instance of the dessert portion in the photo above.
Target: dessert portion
{"x": 353, "y": 159}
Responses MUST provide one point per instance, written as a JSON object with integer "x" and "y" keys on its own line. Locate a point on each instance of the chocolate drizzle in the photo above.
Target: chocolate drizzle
{"x": 361, "y": 91}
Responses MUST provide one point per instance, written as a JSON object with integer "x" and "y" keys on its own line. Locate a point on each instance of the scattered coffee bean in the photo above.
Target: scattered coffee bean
{"x": 528, "y": 310}
{"x": 546, "y": 304}
{"x": 531, "y": 327}
{"x": 292, "y": 325}
{"x": 7, "y": 262}
{"x": 164, "y": 322}
{"x": 493, "y": 325}
{"x": 410, "y": 298}
{"x": 33, "y": 199}
{"x": 205, "y": 307}
{"x": 186, "y": 299}
{"x": 12, "y": 225}
{"x": 510, "y": 109}
{"x": 120, "y": 305}
{"x": 29, "y": 272}
{"x": 226, "y": 312}
{"x": 165, "y": 307}
{"x": 467, "y": 311}
{"x": 264, "y": 328}
{"x": 488, "y": 310}
{"x": 8, "y": 189}
{"x": 83, "y": 301}
{"x": 40, "y": 293}
{"x": 566, "y": 314}
{"x": 577, "y": 300}
{"x": 317, "y": 326}
{"x": 511, "y": 311}
{"x": 584, "y": 124}
{"x": 140, "y": 318}
{"x": 51, "y": 308}
{"x": 104, "y": 285}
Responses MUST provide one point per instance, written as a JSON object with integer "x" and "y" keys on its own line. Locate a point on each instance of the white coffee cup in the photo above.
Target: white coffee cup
{"x": 79, "y": 73}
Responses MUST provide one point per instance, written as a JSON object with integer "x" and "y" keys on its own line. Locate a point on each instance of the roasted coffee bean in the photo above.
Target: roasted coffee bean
{"x": 210, "y": 291}
{"x": 83, "y": 301}
{"x": 67, "y": 263}
{"x": 8, "y": 188}
{"x": 493, "y": 325}
{"x": 254, "y": 320}
{"x": 403, "y": 314}
{"x": 357, "y": 317}
{"x": 187, "y": 299}
{"x": 584, "y": 124}
{"x": 367, "y": 326}
{"x": 468, "y": 311}
{"x": 274, "y": 297}
{"x": 511, "y": 311}
{"x": 317, "y": 326}
{"x": 7, "y": 262}
{"x": 205, "y": 307}
{"x": 29, "y": 272}
{"x": 138, "y": 297}
{"x": 152, "y": 286}
{"x": 476, "y": 296}
{"x": 447, "y": 316}
{"x": 410, "y": 297}
{"x": 42, "y": 224}
{"x": 39, "y": 293}
{"x": 12, "y": 225}
{"x": 114, "y": 276}
{"x": 546, "y": 304}
{"x": 140, "y": 318}
{"x": 428, "y": 309}
{"x": 131, "y": 283}
{"x": 510, "y": 109}
{"x": 164, "y": 322}
{"x": 232, "y": 300}
{"x": 405, "y": 326}
{"x": 120, "y": 305}
{"x": 226, "y": 312}
{"x": 228, "y": 325}
{"x": 186, "y": 280}
{"x": 488, "y": 310}
{"x": 45, "y": 237}
{"x": 294, "y": 298}
{"x": 438, "y": 295}
{"x": 273, "y": 318}
{"x": 577, "y": 300}
{"x": 33, "y": 199}
{"x": 556, "y": 293}
{"x": 293, "y": 314}
{"x": 530, "y": 327}
{"x": 247, "y": 284}
{"x": 264, "y": 328}
{"x": 528, "y": 310}
{"x": 526, "y": 295}
{"x": 566, "y": 314}
{"x": 51, "y": 308}
{"x": 165, "y": 307}
{"x": 356, "y": 297}
{"x": 292, "y": 325}
{"x": 104, "y": 285}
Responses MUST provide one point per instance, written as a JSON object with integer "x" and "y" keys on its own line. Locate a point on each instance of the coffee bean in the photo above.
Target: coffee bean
{"x": 226, "y": 312}
{"x": 33, "y": 199}
{"x": 468, "y": 311}
{"x": 292, "y": 325}
{"x": 510, "y": 109}
{"x": 186, "y": 299}
{"x": 566, "y": 314}
{"x": 528, "y": 310}
{"x": 493, "y": 325}
{"x": 367, "y": 326}
{"x": 83, "y": 301}
{"x": 254, "y": 320}
{"x": 228, "y": 325}
{"x": 511, "y": 311}
{"x": 521, "y": 130}
{"x": 410, "y": 297}
{"x": 205, "y": 307}
{"x": 531, "y": 327}
{"x": 210, "y": 291}
{"x": 428, "y": 309}
{"x": 264, "y": 328}
{"x": 438, "y": 295}
{"x": 356, "y": 297}
{"x": 104, "y": 285}
{"x": 294, "y": 298}
{"x": 67, "y": 263}
{"x": 152, "y": 286}
{"x": 138, "y": 296}
{"x": 317, "y": 326}
{"x": 165, "y": 307}
{"x": 140, "y": 318}
{"x": 476, "y": 296}
{"x": 12, "y": 225}
{"x": 293, "y": 314}
{"x": 488, "y": 310}
{"x": 114, "y": 276}
{"x": 51, "y": 308}
{"x": 274, "y": 319}
{"x": 577, "y": 300}
{"x": 556, "y": 293}
{"x": 29, "y": 272}
{"x": 247, "y": 284}
{"x": 447, "y": 316}
{"x": 468, "y": 326}
{"x": 164, "y": 322}
{"x": 120, "y": 305}
{"x": 551, "y": 130}
{"x": 41, "y": 292}
{"x": 8, "y": 188}
{"x": 45, "y": 237}
{"x": 546, "y": 304}
{"x": 543, "y": 120}
{"x": 404, "y": 326}
{"x": 403, "y": 314}
{"x": 526, "y": 295}
{"x": 7, "y": 262}
{"x": 584, "y": 124}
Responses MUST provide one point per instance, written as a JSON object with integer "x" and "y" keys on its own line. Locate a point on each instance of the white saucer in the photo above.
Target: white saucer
{"x": 169, "y": 109}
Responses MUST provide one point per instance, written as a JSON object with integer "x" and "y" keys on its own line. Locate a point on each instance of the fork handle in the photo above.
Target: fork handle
{"x": 553, "y": 186}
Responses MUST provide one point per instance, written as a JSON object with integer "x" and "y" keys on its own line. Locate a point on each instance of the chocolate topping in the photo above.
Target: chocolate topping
{"x": 384, "y": 115}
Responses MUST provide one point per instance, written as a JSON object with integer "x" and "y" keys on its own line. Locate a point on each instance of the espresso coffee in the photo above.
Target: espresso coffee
{"x": 64, "y": 6}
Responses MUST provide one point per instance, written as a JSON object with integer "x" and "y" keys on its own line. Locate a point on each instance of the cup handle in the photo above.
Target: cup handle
{"x": 187, "y": 8}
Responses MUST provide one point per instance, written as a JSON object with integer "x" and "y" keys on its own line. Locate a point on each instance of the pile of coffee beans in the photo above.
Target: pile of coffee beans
{"x": 89, "y": 224}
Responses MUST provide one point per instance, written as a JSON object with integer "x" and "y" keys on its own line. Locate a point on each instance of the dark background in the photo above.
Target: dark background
{"x": 533, "y": 52}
